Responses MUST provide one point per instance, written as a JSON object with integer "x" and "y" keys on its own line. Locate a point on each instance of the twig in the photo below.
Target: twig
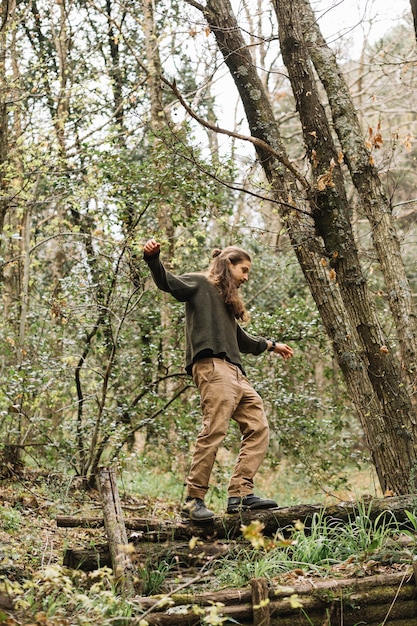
{"x": 171, "y": 593}
{"x": 395, "y": 598}
{"x": 259, "y": 143}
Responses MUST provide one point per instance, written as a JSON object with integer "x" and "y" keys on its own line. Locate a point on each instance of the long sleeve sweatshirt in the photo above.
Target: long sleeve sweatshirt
{"x": 210, "y": 328}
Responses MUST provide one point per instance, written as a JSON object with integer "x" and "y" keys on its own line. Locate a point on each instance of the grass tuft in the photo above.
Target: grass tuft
{"x": 314, "y": 549}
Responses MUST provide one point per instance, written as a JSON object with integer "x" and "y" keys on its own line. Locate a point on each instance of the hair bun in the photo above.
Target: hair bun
{"x": 215, "y": 252}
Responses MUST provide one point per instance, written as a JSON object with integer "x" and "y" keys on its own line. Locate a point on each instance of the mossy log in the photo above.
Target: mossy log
{"x": 115, "y": 529}
{"x": 391, "y": 597}
{"x": 260, "y": 602}
{"x": 274, "y": 520}
{"x": 148, "y": 554}
{"x": 328, "y": 588}
{"x": 87, "y": 559}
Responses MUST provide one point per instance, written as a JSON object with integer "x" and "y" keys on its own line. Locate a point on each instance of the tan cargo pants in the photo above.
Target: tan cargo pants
{"x": 227, "y": 394}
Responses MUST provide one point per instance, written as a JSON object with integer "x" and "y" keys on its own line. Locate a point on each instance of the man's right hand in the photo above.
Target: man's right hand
{"x": 151, "y": 248}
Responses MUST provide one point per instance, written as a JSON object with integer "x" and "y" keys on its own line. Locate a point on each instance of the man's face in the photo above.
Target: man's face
{"x": 240, "y": 272}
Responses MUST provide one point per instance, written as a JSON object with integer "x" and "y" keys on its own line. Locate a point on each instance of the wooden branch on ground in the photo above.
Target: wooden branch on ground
{"x": 115, "y": 529}
{"x": 260, "y": 602}
{"x": 274, "y": 520}
{"x": 349, "y": 601}
{"x": 149, "y": 555}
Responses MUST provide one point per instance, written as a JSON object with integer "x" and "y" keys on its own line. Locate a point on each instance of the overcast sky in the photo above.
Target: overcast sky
{"x": 357, "y": 19}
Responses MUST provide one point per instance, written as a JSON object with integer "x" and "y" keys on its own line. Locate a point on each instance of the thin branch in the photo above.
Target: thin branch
{"x": 185, "y": 585}
{"x": 146, "y": 421}
{"x": 259, "y": 143}
{"x": 196, "y": 5}
{"x": 234, "y": 186}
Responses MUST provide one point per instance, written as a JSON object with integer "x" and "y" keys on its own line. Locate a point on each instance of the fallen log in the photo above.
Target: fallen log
{"x": 349, "y": 601}
{"x": 87, "y": 559}
{"x": 71, "y": 521}
{"x": 300, "y": 617}
{"x": 274, "y": 520}
{"x": 148, "y": 554}
{"x": 115, "y": 529}
{"x": 325, "y": 587}
{"x": 260, "y": 602}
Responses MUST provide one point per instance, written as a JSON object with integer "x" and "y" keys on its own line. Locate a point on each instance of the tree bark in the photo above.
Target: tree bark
{"x": 368, "y": 185}
{"x": 394, "y": 451}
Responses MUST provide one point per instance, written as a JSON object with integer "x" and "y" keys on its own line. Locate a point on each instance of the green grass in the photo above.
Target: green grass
{"x": 316, "y": 549}
{"x": 10, "y": 519}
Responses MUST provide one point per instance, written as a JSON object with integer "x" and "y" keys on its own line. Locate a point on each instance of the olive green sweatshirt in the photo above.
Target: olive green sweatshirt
{"x": 210, "y": 328}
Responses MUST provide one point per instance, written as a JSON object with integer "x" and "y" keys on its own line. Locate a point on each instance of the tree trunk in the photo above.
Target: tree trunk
{"x": 17, "y": 217}
{"x": 115, "y": 71}
{"x": 395, "y": 448}
{"x": 414, "y": 12}
{"x": 6, "y": 10}
{"x": 368, "y": 185}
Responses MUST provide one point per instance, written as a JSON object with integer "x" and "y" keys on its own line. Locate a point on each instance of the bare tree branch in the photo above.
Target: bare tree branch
{"x": 250, "y": 138}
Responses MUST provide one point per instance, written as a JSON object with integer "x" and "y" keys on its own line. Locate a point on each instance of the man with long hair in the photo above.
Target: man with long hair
{"x": 214, "y": 343}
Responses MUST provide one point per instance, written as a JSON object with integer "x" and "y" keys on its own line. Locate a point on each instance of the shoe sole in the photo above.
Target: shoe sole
{"x": 196, "y": 519}
{"x": 241, "y": 509}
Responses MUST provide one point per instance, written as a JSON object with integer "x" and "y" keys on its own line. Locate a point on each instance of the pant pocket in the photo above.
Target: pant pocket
{"x": 203, "y": 371}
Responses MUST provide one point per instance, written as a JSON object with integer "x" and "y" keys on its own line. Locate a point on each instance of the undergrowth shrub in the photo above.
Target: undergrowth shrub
{"x": 55, "y": 595}
{"x": 316, "y": 548}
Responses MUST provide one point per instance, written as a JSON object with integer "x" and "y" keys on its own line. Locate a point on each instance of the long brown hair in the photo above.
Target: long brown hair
{"x": 219, "y": 274}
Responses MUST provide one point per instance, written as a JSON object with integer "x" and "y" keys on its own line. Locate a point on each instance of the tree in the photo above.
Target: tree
{"x": 367, "y": 182}
{"x": 369, "y": 364}
{"x": 414, "y": 11}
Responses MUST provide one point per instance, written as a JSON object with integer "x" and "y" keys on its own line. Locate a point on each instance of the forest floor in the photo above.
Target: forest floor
{"x": 32, "y": 548}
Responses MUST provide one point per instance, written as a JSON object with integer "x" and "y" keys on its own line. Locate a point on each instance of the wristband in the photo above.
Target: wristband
{"x": 272, "y": 348}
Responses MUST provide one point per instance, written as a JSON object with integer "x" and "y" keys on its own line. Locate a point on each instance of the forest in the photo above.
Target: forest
{"x": 285, "y": 127}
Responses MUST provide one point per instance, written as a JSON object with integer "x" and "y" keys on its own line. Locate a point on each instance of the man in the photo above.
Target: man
{"x": 214, "y": 343}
